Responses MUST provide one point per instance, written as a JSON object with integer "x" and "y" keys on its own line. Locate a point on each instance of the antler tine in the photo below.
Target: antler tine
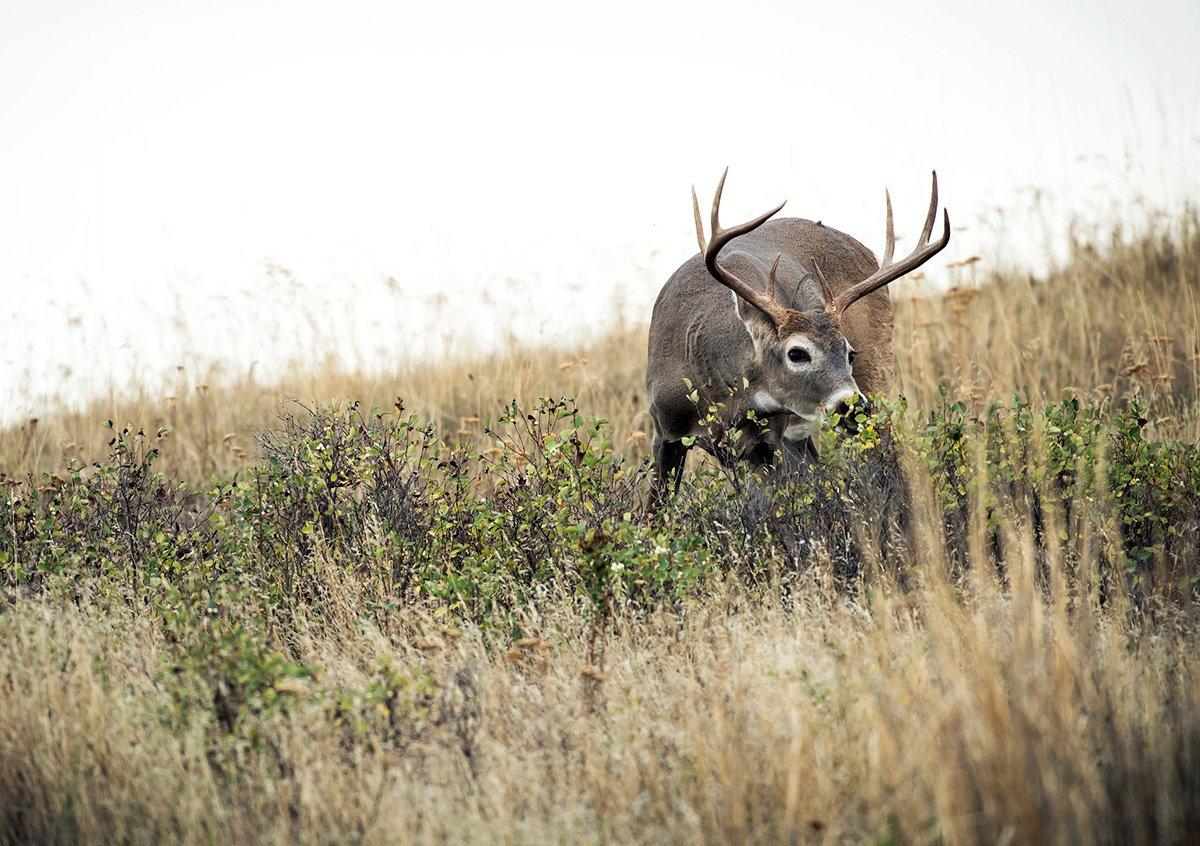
{"x": 890, "y": 271}
{"x": 699, "y": 223}
{"x": 931, "y": 215}
{"x": 771, "y": 280}
{"x": 825, "y": 289}
{"x": 890, "y": 247}
{"x": 722, "y": 236}
{"x": 719, "y": 237}
{"x": 714, "y": 215}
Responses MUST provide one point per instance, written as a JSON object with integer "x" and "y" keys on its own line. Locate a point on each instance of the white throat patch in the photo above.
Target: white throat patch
{"x": 799, "y": 431}
{"x": 766, "y": 403}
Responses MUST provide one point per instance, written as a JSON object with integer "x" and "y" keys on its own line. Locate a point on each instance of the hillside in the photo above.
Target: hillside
{"x": 429, "y": 605}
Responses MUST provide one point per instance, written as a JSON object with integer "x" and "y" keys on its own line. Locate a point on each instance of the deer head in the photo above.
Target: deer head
{"x": 804, "y": 364}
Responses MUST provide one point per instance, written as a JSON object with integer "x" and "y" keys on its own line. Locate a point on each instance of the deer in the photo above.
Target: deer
{"x": 759, "y": 326}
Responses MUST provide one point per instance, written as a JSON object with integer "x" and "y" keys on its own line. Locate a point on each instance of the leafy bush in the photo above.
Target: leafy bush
{"x": 117, "y": 518}
{"x": 382, "y": 503}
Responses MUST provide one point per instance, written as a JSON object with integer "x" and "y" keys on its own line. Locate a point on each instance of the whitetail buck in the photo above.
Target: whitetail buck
{"x": 766, "y": 332}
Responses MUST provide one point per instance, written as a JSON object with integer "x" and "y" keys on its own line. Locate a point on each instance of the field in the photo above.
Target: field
{"x": 429, "y": 605}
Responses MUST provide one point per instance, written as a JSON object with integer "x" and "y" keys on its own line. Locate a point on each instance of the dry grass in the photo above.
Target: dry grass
{"x": 1010, "y": 704}
{"x": 984, "y": 717}
{"x": 1114, "y": 320}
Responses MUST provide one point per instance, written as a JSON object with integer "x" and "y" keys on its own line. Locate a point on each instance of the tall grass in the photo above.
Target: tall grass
{"x": 961, "y": 716}
{"x": 1117, "y": 318}
{"x": 974, "y": 620}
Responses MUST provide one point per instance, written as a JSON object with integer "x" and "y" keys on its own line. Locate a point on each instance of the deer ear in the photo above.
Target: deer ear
{"x": 759, "y": 326}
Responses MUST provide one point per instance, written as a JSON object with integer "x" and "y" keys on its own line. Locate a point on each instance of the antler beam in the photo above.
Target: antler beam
{"x": 890, "y": 271}
{"x": 720, "y": 237}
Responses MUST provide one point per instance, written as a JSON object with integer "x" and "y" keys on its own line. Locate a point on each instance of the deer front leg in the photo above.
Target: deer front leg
{"x": 669, "y": 459}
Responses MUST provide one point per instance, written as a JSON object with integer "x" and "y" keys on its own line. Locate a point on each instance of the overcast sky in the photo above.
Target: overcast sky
{"x": 528, "y": 160}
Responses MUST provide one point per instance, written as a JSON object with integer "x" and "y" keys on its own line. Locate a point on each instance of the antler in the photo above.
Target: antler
{"x": 889, "y": 271}
{"x": 720, "y": 237}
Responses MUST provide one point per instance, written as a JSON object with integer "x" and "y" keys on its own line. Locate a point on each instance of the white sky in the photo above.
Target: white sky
{"x": 529, "y": 160}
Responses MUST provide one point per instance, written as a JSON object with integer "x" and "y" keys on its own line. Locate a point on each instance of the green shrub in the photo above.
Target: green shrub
{"x": 551, "y": 508}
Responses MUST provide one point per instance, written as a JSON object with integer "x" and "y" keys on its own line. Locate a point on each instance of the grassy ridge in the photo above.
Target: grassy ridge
{"x": 973, "y": 620}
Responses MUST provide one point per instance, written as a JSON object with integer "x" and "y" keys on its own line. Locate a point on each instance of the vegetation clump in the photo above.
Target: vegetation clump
{"x": 551, "y": 510}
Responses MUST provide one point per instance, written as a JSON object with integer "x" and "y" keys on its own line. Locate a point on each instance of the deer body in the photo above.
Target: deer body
{"x": 696, "y": 334}
{"x": 766, "y": 330}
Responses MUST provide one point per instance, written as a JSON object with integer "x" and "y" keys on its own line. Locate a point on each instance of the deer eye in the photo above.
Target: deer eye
{"x": 853, "y": 355}
{"x": 798, "y": 354}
